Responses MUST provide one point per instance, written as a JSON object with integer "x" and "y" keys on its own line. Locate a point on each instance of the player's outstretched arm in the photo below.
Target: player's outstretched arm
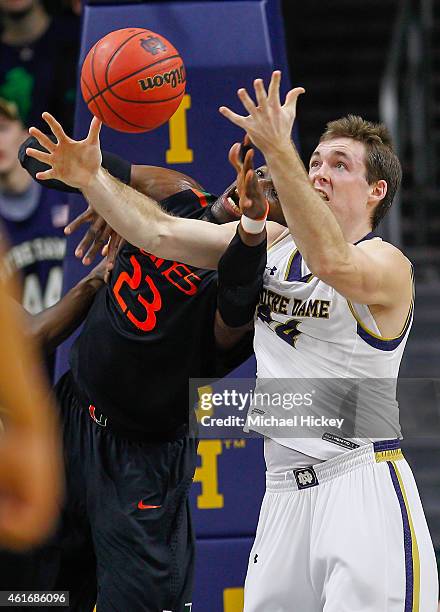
{"x": 153, "y": 181}
{"x": 241, "y": 267}
{"x": 134, "y": 216}
{"x": 30, "y": 451}
{"x": 369, "y": 273}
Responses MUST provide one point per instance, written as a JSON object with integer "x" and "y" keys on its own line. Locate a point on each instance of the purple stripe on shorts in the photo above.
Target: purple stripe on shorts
{"x": 407, "y": 542}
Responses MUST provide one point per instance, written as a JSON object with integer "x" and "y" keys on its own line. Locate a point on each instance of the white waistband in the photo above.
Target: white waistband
{"x": 313, "y": 475}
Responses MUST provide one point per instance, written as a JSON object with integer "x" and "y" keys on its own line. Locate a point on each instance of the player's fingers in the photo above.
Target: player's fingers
{"x": 244, "y": 148}
{"x": 93, "y": 233}
{"x": 260, "y": 93}
{"x": 234, "y": 156}
{"x": 40, "y": 155}
{"x": 55, "y": 126}
{"x": 92, "y": 241}
{"x": 98, "y": 245}
{"x": 233, "y": 117}
{"x": 274, "y": 88}
{"x": 247, "y": 101}
{"x": 254, "y": 195}
{"x": 43, "y": 139}
{"x": 84, "y": 217}
{"x": 292, "y": 98}
{"x": 248, "y": 161}
{"x": 47, "y": 174}
{"x": 116, "y": 243}
{"x": 94, "y": 130}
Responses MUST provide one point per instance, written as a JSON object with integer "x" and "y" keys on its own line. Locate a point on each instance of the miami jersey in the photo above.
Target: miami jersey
{"x": 313, "y": 342}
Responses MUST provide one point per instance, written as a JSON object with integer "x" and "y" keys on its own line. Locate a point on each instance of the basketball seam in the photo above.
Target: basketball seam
{"x": 125, "y": 41}
{"x": 94, "y": 79}
{"x": 90, "y": 91}
{"x": 110, "y": 90}
{"x": 143, "y": 127}
{"x": 131, "y": 75}
{"x": 114, "y": 54}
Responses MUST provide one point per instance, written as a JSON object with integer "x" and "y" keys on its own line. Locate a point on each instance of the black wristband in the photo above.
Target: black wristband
{"x": 118, "y": 167}
{"x": 240, "y": 279}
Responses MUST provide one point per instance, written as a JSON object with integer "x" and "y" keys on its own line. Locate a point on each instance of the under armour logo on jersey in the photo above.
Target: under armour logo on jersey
{"x": 102, "y": 420}
{"x": 271, "y": 270}
{"x": 153, "y": 45}
{"x": 305, "y": 478}
{"x": 255, "y": 558}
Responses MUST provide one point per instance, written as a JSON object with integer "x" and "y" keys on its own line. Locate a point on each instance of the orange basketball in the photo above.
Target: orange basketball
{"x": 133, "y": 80}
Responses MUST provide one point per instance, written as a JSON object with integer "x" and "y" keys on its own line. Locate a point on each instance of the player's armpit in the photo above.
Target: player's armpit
{"x": 274, "y": 231}
{"x": 373, "y": 273}
{"x": 160, "y": 183}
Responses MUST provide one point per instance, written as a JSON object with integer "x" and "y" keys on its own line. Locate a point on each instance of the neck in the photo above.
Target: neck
{"x": 27, "y": 29}
{"x": 15, "y": 182}
{"x": 355, "y": 234}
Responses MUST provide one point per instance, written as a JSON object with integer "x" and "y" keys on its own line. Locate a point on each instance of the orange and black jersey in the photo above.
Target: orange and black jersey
{"x": 148, "y": 332}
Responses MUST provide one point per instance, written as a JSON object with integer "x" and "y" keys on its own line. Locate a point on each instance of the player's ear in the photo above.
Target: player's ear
{"x": 378, "y": 190}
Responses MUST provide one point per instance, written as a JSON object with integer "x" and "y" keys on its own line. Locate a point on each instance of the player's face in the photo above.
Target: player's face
{"x": 337, "y": 171}
{"x": 12, "y": 135}
{"x": 17, "y": 6}
{"x": 226, "y": 206}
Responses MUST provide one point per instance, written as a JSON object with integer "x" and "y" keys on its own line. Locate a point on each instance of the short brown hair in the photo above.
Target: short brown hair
{"x": 381, "y": 161}
{"x": 9, "y": 110}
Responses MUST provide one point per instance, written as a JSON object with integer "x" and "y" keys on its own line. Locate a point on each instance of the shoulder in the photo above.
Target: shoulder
{"x": 274, "y": 232}
{"x": 187, "y": 203}
{"x": 386, "y": 253}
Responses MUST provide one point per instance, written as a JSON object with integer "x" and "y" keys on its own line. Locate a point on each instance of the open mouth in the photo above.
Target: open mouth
{"x": 323, "y": 195}
{"x": 231, "y": 200}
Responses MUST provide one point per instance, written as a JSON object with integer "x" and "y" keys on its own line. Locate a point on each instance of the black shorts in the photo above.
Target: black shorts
{"x": 125, "y": 539}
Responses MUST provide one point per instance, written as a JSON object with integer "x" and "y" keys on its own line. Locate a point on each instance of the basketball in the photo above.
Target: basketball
{"x": 133, "y": 80}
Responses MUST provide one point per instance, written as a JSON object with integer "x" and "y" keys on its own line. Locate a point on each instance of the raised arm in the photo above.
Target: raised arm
{"x": 241, "y": 267}
{"x": 134, "y": 216}
{"x": 369, "y": 273}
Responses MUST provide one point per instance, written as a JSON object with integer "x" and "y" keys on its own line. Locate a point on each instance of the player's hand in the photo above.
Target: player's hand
{"x": 96, "y": 238}
{"x": 75, "y": 162}
{"x": 269, "y": 124}
{"x": 252, "y": 202}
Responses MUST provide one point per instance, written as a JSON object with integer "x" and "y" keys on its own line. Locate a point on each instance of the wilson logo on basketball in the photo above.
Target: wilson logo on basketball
{"x": 173, "y": 78}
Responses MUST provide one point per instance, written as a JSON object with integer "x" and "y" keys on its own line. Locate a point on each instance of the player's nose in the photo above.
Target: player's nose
{"x": 320, "y": 176}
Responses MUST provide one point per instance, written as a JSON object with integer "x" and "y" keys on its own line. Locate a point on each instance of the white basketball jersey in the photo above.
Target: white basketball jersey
{"x": 305, "y": 329}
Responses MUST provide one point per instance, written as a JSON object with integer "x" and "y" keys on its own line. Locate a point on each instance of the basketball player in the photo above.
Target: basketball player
{"x": 126, "y": 524}
{"x": 333, "y": 504}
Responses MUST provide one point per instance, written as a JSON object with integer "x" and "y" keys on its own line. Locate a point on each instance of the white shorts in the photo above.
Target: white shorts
{"x": 346, "y": 535}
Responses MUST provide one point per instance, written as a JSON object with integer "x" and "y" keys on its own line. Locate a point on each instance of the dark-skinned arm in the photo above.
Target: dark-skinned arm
{"x": 52, "y": 326}
{"x": 241, "y": 268}
{"x": 49, "y": 328}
